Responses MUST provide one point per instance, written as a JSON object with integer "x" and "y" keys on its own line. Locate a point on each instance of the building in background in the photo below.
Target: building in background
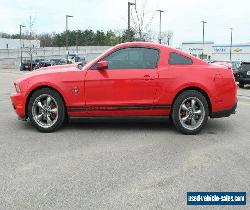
{"x": 196, "y": 49}
{"x": 15, "y": 43}
{"x": 218, "y": 52}
{"x": 239, "y": 52}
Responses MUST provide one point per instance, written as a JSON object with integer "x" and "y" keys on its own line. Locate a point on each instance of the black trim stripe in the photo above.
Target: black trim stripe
{"x": 119, "y": 107}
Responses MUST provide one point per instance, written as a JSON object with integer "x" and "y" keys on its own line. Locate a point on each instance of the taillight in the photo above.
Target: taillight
{"x": 239, "y": 72}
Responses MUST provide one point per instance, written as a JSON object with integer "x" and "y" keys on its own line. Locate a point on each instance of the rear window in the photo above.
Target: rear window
{"x": 177, "y": 59}
{"x": 245, "y": 66}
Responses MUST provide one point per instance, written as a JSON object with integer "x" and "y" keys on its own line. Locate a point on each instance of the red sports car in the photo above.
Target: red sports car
{"x": 131, "y": 79}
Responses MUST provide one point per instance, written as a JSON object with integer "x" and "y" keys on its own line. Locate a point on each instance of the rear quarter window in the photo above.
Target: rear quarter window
{"x": 178, "y": 59}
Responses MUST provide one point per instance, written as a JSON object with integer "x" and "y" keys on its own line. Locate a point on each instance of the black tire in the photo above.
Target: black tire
{"x": 60, "y": 109}
{"x": 241, "y": 84}
{"x": 186, "y": 95}
{"x": 170, "y": 119}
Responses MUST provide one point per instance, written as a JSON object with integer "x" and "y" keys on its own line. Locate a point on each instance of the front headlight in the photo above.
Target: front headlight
{"x": 18, "y": 90}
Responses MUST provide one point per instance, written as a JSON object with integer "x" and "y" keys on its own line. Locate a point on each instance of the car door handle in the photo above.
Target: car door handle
{"x": 148, "y": 77}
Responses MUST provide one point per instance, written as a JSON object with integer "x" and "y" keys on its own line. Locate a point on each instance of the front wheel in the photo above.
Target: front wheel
{"x": 46, "y": 110}
{"x": 190, "y": 112}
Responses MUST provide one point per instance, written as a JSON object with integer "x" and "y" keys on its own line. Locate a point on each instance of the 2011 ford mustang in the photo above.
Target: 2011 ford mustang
{"x": 131, "y": 79}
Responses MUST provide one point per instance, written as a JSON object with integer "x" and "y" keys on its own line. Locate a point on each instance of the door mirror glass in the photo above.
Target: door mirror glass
{"x": 102, "y": 65}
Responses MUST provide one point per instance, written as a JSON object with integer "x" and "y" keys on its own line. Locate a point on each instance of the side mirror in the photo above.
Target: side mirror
{"x": 101, "y": 65}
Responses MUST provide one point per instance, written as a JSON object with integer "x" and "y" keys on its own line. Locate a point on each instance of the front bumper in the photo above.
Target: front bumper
{"x": 18, "y": 103}
{"x": 224, "y": 113}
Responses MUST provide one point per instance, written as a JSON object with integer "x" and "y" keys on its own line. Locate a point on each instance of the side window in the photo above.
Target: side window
{"x": 177, "y": 59}
{"x": 133, "y": 58}
{"x": 118, "y": 59}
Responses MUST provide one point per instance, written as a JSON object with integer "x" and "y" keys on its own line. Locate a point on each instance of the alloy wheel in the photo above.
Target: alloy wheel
{"x": 191, "y": 113}
{"x": 45, "y": 110}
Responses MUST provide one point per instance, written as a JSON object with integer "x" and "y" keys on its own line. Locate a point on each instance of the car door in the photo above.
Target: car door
{"x": 127, "y": 86}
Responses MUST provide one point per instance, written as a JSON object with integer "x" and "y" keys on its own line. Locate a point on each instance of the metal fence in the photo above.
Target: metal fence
{"x": 10, "y": 58}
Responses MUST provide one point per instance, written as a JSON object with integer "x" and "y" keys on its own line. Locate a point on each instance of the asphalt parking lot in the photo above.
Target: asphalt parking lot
{"x": 119, "y": 165}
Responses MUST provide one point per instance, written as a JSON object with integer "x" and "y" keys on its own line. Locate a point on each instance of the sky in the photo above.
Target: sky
{"x": 180, "y": 16}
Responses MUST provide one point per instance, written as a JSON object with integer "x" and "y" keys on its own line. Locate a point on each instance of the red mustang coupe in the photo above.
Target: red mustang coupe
{"x": 131, "y": 79}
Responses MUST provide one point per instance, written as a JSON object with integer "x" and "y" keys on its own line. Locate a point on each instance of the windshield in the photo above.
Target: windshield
{"x": 245, "y": 66}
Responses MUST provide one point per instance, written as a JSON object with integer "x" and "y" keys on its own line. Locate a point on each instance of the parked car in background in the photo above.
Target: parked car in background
{"x": 81, "y": 64}
{"x": 44, "y": 63}
{"x": 75, "y": 58}
{"x": 135, "y": 79}
{"x": 39, "y": 60}
{"x": 236, "y": 65}
{"x": 225, "y": 63}
{"x": 59, "y": 61}
{"x": 27, "y": 66}
{"x": 244, "y": 74}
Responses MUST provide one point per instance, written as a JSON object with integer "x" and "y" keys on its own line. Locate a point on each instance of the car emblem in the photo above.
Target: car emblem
{"x": 76, "y": 90}
{"x": 237, "y": 50}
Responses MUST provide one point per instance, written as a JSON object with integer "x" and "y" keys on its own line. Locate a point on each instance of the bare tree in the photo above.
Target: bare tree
{"x": 167, "y": 37}
{"x": 141, "y": 20}
{"x": 150, "y": 36}
{"x": 30, "y": 49}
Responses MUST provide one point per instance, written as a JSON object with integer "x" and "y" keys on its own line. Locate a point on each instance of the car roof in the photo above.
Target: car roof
{"x": 143, "y": 44}
{"x": 160, "y": 46}
{"x": 152, "y": 45}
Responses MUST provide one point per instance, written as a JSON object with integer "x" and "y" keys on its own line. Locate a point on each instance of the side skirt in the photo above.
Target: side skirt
{"x": 119, "y": 119}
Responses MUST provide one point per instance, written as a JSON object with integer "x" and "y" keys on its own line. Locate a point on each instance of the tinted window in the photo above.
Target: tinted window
{"x": 245, "y": 66}
{"x": 175, "y": 58}
{"x": 236, "y": 65}
{"x": 133, "y": 58}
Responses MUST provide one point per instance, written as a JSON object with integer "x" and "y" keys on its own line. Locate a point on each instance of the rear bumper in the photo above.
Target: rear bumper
{"x": 224, "y": 113}
{"x": 244, "y": 80}
{"x": 18, "y": 103}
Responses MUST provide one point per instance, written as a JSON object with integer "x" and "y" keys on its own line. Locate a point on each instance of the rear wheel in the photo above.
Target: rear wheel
{"x": 241, "y": 84}
{"x": 190, "y": 112}
{"x": 46, "y": 110}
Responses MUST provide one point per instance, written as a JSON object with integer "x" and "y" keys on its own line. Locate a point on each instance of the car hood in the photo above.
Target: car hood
{"x": 48, "y": 70}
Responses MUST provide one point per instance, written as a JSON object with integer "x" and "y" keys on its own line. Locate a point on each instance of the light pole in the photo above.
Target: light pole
{"x": 129, "y": 4}
{"x": 160, "y": 11}
{"x": 67, "y": 16}
{"x": 77, "y": 42}
{"x": 21, "y": 51}
{"x": 231, "y": 43}
{"x": 203, "y": 37}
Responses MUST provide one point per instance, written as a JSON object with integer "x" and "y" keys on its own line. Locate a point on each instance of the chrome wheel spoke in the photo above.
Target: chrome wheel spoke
{"x": 48, "y": 119}
{"x": 193, "y": 121}
{"x": 39, "y": 104}
{"x": 39, "y": 116}
{"x": 48, "y": 101}
{"x": 193, "y": 102}
{"x": 197, "y": 112}
{"x": 184, "y": 107}
{"x": 54, "y": 110}
{"x": 184, "y": 119}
